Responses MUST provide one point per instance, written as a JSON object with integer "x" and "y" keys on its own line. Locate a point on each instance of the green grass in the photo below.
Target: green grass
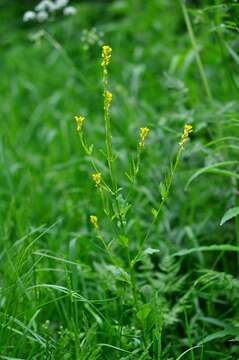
{"x": 63, "y": 295}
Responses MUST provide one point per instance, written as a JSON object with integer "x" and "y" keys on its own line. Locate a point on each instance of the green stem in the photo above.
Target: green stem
{"x": 195, "y": 48}
{"x": 132, "y": 278}
{"x": 162, "y": 202}
{"x": 108, "y": 135}
{"x": 109, "y": 148}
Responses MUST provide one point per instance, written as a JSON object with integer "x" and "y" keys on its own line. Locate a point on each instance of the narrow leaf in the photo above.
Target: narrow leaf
{"x": 225, "y": 247}
{"x": 229, "y": 214}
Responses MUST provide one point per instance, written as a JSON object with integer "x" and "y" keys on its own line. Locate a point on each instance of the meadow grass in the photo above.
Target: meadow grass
{"x": 111, "y": 244}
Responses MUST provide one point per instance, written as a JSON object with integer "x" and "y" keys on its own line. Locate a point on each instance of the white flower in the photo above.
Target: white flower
{"x": 69, "y": 10}
{"x": 29, "y": 16}
{"x": 42, "y": 16}
{"x": 45, "y": 5}
{"x": 59, "y": 4}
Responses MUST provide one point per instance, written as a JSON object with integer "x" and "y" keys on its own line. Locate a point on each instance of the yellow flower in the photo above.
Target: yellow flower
{"x": 107, "y": 99}
{"x": 94, "y": 221}
{"x": 186, "y": 131}
{"x": 106, "y": 55}
{"x": 143, "y": 132}
{"x": 79, "y": 122}
{"x": 96, "y": 178}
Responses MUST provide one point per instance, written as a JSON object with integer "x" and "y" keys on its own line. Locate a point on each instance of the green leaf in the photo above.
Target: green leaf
{"x": 143, "y": 313}
{"x": 163, "y": 190}
{"x": 214, "y": 169}
{"x": 123, "y": 240}
{"x": 150, "y": 251}
{"x": 220, "y": 334}
{"x": 229, "y": 214}
{"x": 129, "y": 176}
{"x": 155, "y": 213}
{"x": 225, "y": 247}
{"x": 119, "y": 273}
{"x": 91, "y": 148}
{"x": 143, "y": 254}
{"x": 187, "y": 351}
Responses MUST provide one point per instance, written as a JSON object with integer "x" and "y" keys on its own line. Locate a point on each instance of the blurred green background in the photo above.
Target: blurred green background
{"x": 51, "y": 72}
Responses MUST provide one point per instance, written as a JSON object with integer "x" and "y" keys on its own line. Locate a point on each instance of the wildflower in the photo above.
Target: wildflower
{"x": 42, "y": 16}
{"x": 94, "y": 221}
{"x": 96, "y": 178}
{"x": 143, "y": 133}
{"x": 79, "y": 122}
{"x": 29, "y": 16}
{"x": 59, "y": 4}
{"x": 45, "y": 5}
{"x": 107, "y": 99}
{"x": 186, "y": 131}
{"x": 69, "y": 10}
{"x": 106, "y": 55}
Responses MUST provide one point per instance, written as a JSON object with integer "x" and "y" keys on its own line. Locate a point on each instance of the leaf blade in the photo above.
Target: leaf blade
{"x": 229, "y": 214}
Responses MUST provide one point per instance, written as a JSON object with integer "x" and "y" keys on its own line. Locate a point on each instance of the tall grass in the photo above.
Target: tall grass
{"x": 111, "y": 240}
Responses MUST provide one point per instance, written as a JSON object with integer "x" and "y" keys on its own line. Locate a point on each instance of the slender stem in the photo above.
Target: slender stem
{"x": 162, "y": 202}
{"x": 109, "y": 147}
{"x": 195, "y": 47}
{"x": 106, "y": 247}
{"x": 108, "y": 135}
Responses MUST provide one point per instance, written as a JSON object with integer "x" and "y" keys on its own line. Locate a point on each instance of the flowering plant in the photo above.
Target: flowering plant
{"x": 47, "y": 8}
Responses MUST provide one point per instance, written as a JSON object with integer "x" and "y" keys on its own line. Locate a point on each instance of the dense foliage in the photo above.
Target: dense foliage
{"x": 155, "y": 275}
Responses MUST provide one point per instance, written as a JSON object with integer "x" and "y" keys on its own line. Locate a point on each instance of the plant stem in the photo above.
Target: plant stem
{"x": 195, "y": 48}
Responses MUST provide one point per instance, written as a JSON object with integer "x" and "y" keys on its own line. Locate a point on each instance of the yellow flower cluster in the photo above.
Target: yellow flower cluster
{"x": 96, "y": 178}
{"x": 79, "y": 122}
{"x": 106, "y": 55}
{"x": 107, "y": 99}
{"x": 143, "y": 132}
{"x": 94, "y": 221}
{"x": 186, "y": 131}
